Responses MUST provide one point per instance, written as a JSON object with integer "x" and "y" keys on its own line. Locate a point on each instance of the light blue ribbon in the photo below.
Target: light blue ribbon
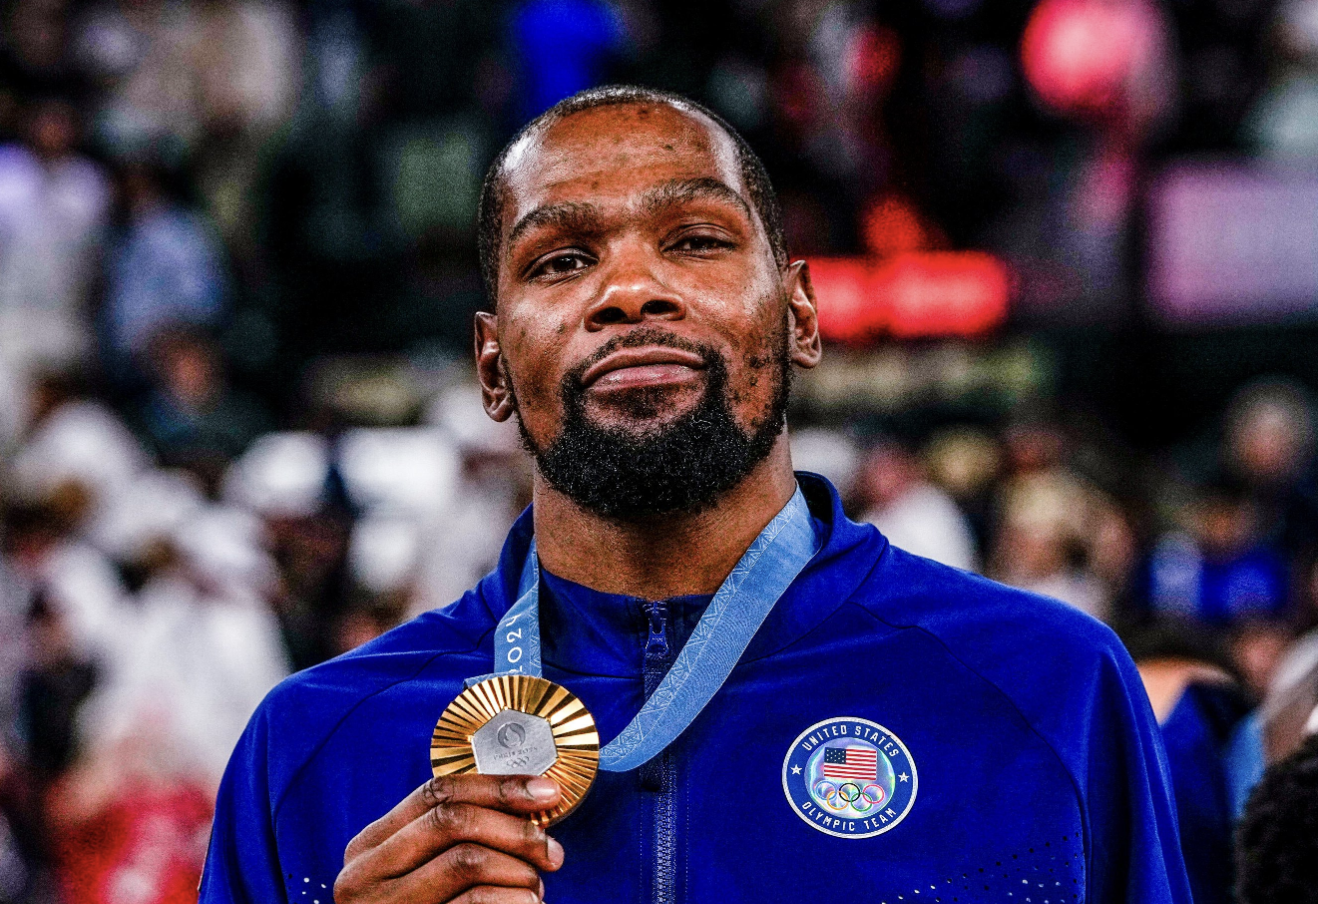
{"x": 733, "y": 616}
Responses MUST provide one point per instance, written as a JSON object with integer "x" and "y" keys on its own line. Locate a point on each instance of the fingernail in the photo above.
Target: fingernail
{"x": 541, "y": 789}
{"x": 555, "y": 853}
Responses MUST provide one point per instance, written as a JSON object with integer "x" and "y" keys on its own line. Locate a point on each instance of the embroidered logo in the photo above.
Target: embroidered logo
{"x": 850, "y": 777}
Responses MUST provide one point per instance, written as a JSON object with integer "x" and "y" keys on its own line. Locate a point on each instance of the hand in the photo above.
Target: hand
{"x": 466, "y": 839}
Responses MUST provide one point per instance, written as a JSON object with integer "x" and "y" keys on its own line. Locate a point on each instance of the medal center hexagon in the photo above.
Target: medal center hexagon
{"x": 514, "y": 743}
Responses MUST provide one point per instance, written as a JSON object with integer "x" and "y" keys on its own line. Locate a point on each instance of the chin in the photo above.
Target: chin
{"x": 641, "y": 410}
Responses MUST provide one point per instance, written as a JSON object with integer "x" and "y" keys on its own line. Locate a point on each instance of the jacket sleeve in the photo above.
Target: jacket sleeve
{"x": 1133, "y": 846}
{"x": 242, "y": 862}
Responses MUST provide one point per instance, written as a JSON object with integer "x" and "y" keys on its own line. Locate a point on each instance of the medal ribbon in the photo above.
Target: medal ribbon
{"x": 724, "y": 631}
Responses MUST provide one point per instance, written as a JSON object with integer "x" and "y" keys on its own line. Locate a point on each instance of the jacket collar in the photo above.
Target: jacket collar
{"x": 848, "y": 555}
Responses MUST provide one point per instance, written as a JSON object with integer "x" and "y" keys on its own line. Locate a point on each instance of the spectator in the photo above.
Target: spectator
{"x": 1046, "y": 519}
{"x": 74, "y": 582}
{"x": 913, "y": 513}
{"x": 54, "y": 204}
{"x": 1220, "y": 571}
{"x": 1277, "y": 847}
{"x": 60, "y": 679}
{"x": 202, "y": 649}
{"x": 192, "y": 417}
{"x": 463, "y": 543}
{"x": 1214, "y": 745}
{"x": 1269, "y": 447}
{"x": 164, "y": 270}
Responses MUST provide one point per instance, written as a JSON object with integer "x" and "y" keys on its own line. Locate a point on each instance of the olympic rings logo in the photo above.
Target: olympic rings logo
{"x": 849, "y": 794}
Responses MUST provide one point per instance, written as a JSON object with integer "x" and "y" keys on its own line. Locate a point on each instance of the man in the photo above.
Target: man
{"x": 895, "y": 730}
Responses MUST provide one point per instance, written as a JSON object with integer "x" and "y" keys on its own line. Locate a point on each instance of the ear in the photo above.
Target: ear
{"x": 807, "y": 347}
{"x": 496, "y": 395}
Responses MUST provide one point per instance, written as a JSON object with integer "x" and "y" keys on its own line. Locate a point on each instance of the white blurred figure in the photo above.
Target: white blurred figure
{"x": 280, "y": 475}
{"x": 82, "y": 440}
{"x": 54, "y": 205}
{"x": 1046, "y": 517}
{"x": 384, "y": 554}
{"x": 178, "y": 70}
{"x": 409, "y": 470}
{"x": 78, "y": 456}
{"x": 1289, "y": 708}
{"x": 462, "y": 545}
{"x": 828, "y": 453}
{"x": 74, "y": 442}
{"x": 404, "y": 481}
{"x": 142, "y": 511}
{"x": 203, "y": 650}
{"x": 913, "y": 513}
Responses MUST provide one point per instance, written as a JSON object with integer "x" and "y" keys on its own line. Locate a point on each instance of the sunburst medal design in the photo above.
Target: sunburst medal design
{"x": 520, "y": 725}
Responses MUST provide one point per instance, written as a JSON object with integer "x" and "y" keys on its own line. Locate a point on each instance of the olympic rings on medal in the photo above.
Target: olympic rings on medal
{"x": 849, "y": 792}
{"x": 824, "y": 790}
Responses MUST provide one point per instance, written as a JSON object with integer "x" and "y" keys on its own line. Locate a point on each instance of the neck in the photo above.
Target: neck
{"x": 672, "y": 555}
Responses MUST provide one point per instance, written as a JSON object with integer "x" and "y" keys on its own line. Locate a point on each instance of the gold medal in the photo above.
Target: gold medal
{"x": 520, "y": 725}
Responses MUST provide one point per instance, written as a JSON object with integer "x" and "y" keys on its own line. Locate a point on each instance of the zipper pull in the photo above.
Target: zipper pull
{"x": 651, "y": 774}
{"x": 656, "y": 644}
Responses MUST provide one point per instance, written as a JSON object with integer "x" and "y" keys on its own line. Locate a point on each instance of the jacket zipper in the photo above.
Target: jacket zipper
{"x": 659, "y": 775}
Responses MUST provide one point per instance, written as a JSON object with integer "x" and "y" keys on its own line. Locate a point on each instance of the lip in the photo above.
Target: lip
{"x": 648, "y": 356}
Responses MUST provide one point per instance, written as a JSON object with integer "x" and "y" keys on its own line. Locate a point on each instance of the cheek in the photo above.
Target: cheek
{"x": 535, "y": 369}
{"x": 752, "y": 382}
{"x": 762, "y": 345}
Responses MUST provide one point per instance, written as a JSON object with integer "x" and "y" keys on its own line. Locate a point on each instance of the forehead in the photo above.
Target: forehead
{"x": 613, "y": 154}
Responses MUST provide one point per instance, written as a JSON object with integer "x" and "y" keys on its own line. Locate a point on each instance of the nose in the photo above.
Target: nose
{"x": 631, "y": 292}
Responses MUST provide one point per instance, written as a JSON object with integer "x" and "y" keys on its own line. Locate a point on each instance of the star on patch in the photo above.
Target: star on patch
{"x": 904, "y": 777}
{"x": 796, "y": 770}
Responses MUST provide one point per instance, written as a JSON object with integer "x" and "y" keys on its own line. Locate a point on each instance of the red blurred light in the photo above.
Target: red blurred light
{"x": 963, "y": 293}
{"x": 1080, "y": 55}
{"x": 891, "y": 225}
{"x": 875, "y": 54}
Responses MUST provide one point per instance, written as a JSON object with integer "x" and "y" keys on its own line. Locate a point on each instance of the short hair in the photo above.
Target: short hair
{"x": 1277, "y": 841}
{"x": 495, "y": 188}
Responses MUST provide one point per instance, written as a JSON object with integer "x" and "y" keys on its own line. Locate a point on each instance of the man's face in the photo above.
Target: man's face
{"x": 637, "y": 290}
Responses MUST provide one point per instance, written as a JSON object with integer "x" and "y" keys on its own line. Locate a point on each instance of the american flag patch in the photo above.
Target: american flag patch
{"x": 851, "y": 762}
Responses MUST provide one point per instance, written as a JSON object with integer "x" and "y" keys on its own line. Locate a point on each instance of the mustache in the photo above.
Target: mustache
{"x": 641, "y": 336}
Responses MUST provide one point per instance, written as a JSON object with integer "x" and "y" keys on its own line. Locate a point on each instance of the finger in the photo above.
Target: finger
{"x": 466, "y": 867}
{"x": 509, "y": 793}
{"x": 489, "y": 895}
{"x": 447, "y": 825}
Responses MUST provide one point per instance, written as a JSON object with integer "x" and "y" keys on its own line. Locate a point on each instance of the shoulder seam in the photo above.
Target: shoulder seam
{"x": 849, "y": 598}
{"x": 297, "y": 774}
{"x": 1075, "y": 787}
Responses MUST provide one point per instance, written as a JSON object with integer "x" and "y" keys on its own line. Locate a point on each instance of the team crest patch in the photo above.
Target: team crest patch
{"x": 850, "y": 777}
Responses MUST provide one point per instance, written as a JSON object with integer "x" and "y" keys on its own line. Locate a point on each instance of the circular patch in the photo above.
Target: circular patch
{"x": 849, "y": 777}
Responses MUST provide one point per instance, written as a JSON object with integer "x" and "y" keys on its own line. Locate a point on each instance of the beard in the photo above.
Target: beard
{"x": 682, "y": 467}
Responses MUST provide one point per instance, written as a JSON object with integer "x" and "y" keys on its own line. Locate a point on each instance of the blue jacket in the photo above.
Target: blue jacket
{"x": 896, "y": 731}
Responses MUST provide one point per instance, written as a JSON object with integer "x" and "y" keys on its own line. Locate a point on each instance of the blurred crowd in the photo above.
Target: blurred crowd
{"x": 238, "y": 432}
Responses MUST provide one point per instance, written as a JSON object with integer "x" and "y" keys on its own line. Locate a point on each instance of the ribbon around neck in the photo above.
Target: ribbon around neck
{"x": 744, "y": 600}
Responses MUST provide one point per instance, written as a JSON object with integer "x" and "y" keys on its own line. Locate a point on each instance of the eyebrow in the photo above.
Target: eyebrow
{"x": 577, "y": 216}
{"x": 680, "y": 191}
{"x": 568, "y": 215}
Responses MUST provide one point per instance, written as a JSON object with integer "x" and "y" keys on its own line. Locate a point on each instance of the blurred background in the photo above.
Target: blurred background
{"x": 1067, "y": 260}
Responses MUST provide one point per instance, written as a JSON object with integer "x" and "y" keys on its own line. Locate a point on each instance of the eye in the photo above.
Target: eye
{"x": 560, "y": 263}
{"x": 699, "y": 243}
